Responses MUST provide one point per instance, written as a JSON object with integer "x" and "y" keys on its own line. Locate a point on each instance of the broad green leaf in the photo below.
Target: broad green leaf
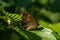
{"x": 55, "y": 27}
{"x": 21, "y": 32}
{"x": 46, "y": 34}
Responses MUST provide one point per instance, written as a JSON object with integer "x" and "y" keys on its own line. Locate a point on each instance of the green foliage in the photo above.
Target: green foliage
{"x": 46, "y": 13}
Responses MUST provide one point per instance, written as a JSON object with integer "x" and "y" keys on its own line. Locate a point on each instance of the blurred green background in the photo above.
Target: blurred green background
{"x": 46, "y": 12}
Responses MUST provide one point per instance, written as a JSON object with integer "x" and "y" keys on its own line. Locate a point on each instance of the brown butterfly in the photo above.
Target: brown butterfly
{"x": 28, "y": 21}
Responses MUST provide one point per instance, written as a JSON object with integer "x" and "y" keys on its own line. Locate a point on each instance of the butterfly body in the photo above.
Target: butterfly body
{"x": 28, "y": 21}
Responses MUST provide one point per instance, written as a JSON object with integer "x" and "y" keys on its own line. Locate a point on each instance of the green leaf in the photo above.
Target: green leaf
{"x": 46, "y": 34}
{"x": 55, "y": 27}
{"x": 36, "y": 35}
{"x": 18, "y": 30}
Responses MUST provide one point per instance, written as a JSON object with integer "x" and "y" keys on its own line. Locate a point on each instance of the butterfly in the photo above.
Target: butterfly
{"x": 28, "y": 21}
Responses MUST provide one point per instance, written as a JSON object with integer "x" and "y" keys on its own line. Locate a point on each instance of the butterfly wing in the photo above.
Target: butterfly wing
{"x": 28, "y": 21}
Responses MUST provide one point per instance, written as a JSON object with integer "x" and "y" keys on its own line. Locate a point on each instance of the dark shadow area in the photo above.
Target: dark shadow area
{"x": 10, "y": 9}
{"x": 37, "y": 29}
